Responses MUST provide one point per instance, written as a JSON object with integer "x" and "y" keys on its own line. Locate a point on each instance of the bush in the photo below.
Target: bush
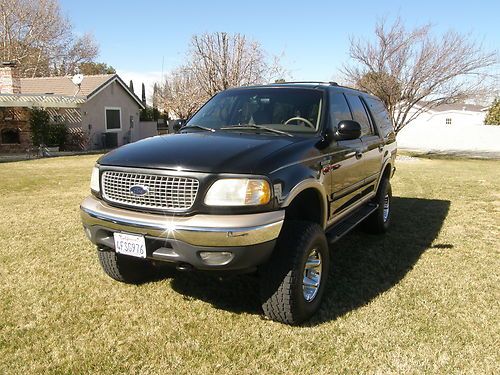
{"x": 57, "y": 135}
{"x": 39, "y": 122}
{"x": 43, "y": 132}
{"x": 493, "y": 115}
{"x": 149, "y": 114}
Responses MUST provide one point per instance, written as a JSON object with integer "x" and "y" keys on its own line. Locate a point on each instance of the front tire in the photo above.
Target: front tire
{"x": 124, "y": 268}
{"x": 293, "y": 281}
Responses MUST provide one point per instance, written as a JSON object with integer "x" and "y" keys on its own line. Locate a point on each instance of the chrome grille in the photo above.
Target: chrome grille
{"x": 163, "y": 192}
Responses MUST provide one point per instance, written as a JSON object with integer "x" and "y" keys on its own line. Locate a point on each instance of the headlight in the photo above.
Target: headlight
{"x": 238, "y": 192}
{"x": 94, "y": 179}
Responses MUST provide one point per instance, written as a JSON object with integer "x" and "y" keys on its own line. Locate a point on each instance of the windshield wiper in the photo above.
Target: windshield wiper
{"x": 198, "y": 127}
{"x": 253, "y": 126}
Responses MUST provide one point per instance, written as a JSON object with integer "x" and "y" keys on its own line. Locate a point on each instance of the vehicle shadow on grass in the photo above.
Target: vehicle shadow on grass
{"x": 363, "y": 265}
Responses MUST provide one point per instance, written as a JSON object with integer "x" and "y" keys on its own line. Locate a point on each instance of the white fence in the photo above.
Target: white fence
{"x": 449, "y": 138}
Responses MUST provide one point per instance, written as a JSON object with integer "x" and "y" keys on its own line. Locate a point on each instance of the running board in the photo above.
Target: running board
{"x": 334, "y": 233}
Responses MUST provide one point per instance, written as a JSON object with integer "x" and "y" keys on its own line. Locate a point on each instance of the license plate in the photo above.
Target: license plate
{"x": 129, "y": 244}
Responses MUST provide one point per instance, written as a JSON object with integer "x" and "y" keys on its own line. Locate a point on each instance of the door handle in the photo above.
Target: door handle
{"x": 359, "y": 154}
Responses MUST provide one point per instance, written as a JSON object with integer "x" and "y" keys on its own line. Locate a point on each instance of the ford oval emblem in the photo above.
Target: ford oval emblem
{"x": 139, "y": 190}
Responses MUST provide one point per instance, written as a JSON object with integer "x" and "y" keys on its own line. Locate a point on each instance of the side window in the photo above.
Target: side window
{"x": 380, "y": 115}
{"x": 359, "y": 114}
{"x": 339, "y": 110}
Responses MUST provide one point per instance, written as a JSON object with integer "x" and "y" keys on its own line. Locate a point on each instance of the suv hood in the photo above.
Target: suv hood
{"x": 200, "y": 152}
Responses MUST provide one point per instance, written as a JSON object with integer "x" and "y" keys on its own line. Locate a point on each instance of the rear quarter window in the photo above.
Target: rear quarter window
{"x": 379, "y": 115}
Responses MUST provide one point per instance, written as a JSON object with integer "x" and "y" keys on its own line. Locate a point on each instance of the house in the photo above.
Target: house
{"x": 453, "y": 128}
{"x": 102, "y": 111}
{"x": 457, "y": 114}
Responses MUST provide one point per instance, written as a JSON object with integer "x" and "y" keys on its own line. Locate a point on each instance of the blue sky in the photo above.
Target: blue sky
{"x": 138, "y": 37}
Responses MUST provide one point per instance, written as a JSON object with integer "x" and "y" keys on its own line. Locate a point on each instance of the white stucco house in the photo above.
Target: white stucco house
{"x": 457, "y": 114}
{"x": 455, "y": 127}
{"x": 100, "y": 113}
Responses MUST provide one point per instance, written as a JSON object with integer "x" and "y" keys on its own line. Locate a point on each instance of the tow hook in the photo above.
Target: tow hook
{"x": 184, "y": 267}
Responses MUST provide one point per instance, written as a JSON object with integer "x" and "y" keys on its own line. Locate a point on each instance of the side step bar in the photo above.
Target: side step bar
{"x": 338, "y": 230}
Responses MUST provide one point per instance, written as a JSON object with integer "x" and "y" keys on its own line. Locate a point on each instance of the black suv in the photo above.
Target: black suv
{"x": 260, "y": 179}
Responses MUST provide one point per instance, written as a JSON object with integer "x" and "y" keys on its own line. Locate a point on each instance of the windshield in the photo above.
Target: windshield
{"x": 289, "y": 110}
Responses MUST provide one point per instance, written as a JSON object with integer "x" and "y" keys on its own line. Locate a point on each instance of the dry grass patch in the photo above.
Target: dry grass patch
{"x": 423, "y": 298}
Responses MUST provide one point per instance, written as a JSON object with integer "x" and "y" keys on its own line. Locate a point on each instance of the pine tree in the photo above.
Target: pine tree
{"x": 155, "y": 95}
{"x": 143, "y": 96}
{"x": 493, "y": 115}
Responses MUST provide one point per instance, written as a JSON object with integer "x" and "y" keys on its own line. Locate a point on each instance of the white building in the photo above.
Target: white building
{"x": 457, "y": 114}
{"x": 451, "y": 128}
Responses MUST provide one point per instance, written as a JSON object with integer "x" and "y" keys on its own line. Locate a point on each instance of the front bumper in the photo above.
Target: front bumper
{"x": 250, "y": 238}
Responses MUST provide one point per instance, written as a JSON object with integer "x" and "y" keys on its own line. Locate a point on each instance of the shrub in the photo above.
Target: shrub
{"x": 43, "y": 132}
{"x": 57, "y": 134}
{"x": 39, "y": 122}
{"x": 149, "y": 114}
{"x": 493, "y": 115}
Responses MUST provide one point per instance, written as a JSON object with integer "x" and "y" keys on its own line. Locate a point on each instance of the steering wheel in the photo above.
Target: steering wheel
{"x": 305, "y": 121}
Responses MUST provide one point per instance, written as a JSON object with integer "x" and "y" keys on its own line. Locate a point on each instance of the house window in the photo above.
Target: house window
{"x": 113, "y": 119}
{"x": 448, "y": 121}
{"x": 10, "y": 136}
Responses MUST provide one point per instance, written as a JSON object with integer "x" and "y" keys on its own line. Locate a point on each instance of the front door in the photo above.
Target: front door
{"x": 342, "y": 164}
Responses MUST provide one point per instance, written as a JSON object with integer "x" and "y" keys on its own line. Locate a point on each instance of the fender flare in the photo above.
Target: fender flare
{"x": 387, "y": 162}
{"x": 309, "y": 184}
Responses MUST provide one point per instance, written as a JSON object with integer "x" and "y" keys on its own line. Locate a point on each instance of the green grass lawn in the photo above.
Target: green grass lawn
{"x": 423, "y": 298}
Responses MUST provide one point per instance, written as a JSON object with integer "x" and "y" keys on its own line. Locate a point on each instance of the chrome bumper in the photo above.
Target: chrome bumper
{"x": 199, "y": 230}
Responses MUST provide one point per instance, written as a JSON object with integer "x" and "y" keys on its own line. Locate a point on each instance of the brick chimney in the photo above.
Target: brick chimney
{"x": 10, "y": 82}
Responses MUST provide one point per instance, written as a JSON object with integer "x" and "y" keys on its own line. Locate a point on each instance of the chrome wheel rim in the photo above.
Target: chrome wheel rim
{"x": 312, "y": 275}
{"x": 387, "y": 203}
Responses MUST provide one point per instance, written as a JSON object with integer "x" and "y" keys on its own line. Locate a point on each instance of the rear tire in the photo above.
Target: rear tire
{"x": 124, "y": 268}
{"x": 300, "y": 260}
{"x": 378, "y": 222}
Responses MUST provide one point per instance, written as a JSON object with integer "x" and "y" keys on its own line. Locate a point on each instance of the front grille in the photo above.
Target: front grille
{"x": 163, "y": 192}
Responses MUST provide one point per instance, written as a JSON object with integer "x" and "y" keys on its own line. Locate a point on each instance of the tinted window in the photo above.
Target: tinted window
{"x": 113, "y": 119}
{"x": 339, "y": 110}
{"x": 359, "y": 114}
{"x": 380, "y": 115}
{"x": 216, "y": 111}
{"x": 285, "y": 109}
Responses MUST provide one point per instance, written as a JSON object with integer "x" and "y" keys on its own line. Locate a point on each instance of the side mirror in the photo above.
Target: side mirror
{"x": 176, "y": 127}
{"x": 348, "y": 129}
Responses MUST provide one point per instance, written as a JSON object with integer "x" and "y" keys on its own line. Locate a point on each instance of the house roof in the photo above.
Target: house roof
{"x": 456, "y": 107}
{"x": 63, "y": 86}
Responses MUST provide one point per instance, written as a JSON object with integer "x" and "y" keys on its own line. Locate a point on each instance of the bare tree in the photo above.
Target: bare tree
{"x": 220, "y": 60}
{"x": 215, "y": 62}
{"x": 409, "y": 67}
{"x": 34, "y": 34}
{"x": 181, "y": 93}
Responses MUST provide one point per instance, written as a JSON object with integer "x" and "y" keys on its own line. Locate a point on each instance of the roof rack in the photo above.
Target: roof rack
{"x": 318, "y": 82}
{"x": 331, "y": 83}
